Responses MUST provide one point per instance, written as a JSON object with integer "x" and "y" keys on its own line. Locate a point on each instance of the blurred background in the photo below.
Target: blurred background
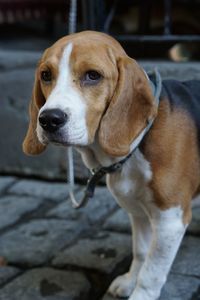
{"x": 163, "y": 34}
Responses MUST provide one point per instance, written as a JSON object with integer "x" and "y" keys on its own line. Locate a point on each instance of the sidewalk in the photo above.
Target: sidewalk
{"x": 50, "y": 251}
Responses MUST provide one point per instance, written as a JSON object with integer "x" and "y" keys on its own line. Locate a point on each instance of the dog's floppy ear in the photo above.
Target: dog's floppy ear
{"x": 31, "y": 144}
{"x": 131, "y": 108}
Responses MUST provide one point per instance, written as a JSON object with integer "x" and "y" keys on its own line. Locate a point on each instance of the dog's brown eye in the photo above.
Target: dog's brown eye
{"x": 92, "y": 77}
{"x": 46, "y": 76}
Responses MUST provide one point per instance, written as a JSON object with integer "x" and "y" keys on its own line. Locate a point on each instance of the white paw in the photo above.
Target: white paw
{"x": 122, "y": 286}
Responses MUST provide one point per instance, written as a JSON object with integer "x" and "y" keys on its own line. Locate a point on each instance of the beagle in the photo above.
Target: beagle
{"x": 89, "y": 94}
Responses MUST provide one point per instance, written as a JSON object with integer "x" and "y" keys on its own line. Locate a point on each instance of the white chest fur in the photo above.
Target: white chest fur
{"x": 129, "y": 185}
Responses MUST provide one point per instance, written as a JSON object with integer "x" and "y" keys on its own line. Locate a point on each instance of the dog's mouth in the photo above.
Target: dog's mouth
{"x": 56, "y": 139}
{"x": 60, "y": 139}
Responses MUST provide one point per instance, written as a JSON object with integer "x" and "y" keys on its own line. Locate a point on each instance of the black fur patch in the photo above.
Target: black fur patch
{"x": 185, "y": 95}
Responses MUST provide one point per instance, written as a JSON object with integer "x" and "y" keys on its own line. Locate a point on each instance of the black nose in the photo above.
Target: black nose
{"x": 52, "y": 119}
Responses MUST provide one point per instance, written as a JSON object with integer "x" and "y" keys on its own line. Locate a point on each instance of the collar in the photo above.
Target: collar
{"x": 155, "y": 83}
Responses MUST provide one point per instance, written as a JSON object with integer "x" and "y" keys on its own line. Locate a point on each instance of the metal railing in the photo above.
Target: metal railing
{"x": 96, "y": 18}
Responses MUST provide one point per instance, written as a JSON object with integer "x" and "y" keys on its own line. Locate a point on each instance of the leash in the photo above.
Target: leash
{"x": 70, "y": 169}
{"x": 72, "y": 17}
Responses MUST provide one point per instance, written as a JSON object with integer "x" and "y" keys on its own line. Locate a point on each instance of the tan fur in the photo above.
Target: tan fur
{"x": 31, "y": 144}
{"x": 131, "y": 108}
{"x": 172, "y": 149}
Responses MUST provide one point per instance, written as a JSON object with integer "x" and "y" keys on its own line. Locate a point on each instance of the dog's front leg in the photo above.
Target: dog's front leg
{"x": 124, "y": 285}
{"x": 168, "y": 230}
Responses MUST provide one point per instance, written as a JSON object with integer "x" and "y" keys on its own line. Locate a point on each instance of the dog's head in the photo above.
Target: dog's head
{"x": 86, "y": 86}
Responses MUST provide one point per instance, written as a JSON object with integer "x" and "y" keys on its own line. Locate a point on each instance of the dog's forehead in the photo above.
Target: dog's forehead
{"x": 86, "y": 46}
{"x": 92, "y": 55}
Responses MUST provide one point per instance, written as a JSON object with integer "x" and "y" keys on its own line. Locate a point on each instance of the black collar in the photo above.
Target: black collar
{"x": 97, "y": 175}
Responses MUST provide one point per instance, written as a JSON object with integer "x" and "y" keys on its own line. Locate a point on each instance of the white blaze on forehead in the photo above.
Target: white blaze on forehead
{"x": 64, "y": 77}
{"x": 66, "y": 97}
{"x": 63, "y": 85}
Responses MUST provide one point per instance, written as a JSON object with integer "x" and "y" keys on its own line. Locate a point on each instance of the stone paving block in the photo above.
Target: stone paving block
{"x": 7, "y": 273}
{"x": 184, "y": 278}
{"x": 97, "y": 208}
{"x": 187, "y": 261}
{"x": 12, "y": 208}
{"x": 101, "y": 252}
{"x": 178, "y": 287}
{"x": 119, "y": 221}
{"x": 49, "y": 284}
{"x": 48, "y": 190}
{"x": 6, "y": 181}
{"x": 36, "y": 242}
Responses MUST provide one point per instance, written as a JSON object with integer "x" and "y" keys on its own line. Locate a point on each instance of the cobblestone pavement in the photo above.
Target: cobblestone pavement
{"x": 50, "y": 251}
